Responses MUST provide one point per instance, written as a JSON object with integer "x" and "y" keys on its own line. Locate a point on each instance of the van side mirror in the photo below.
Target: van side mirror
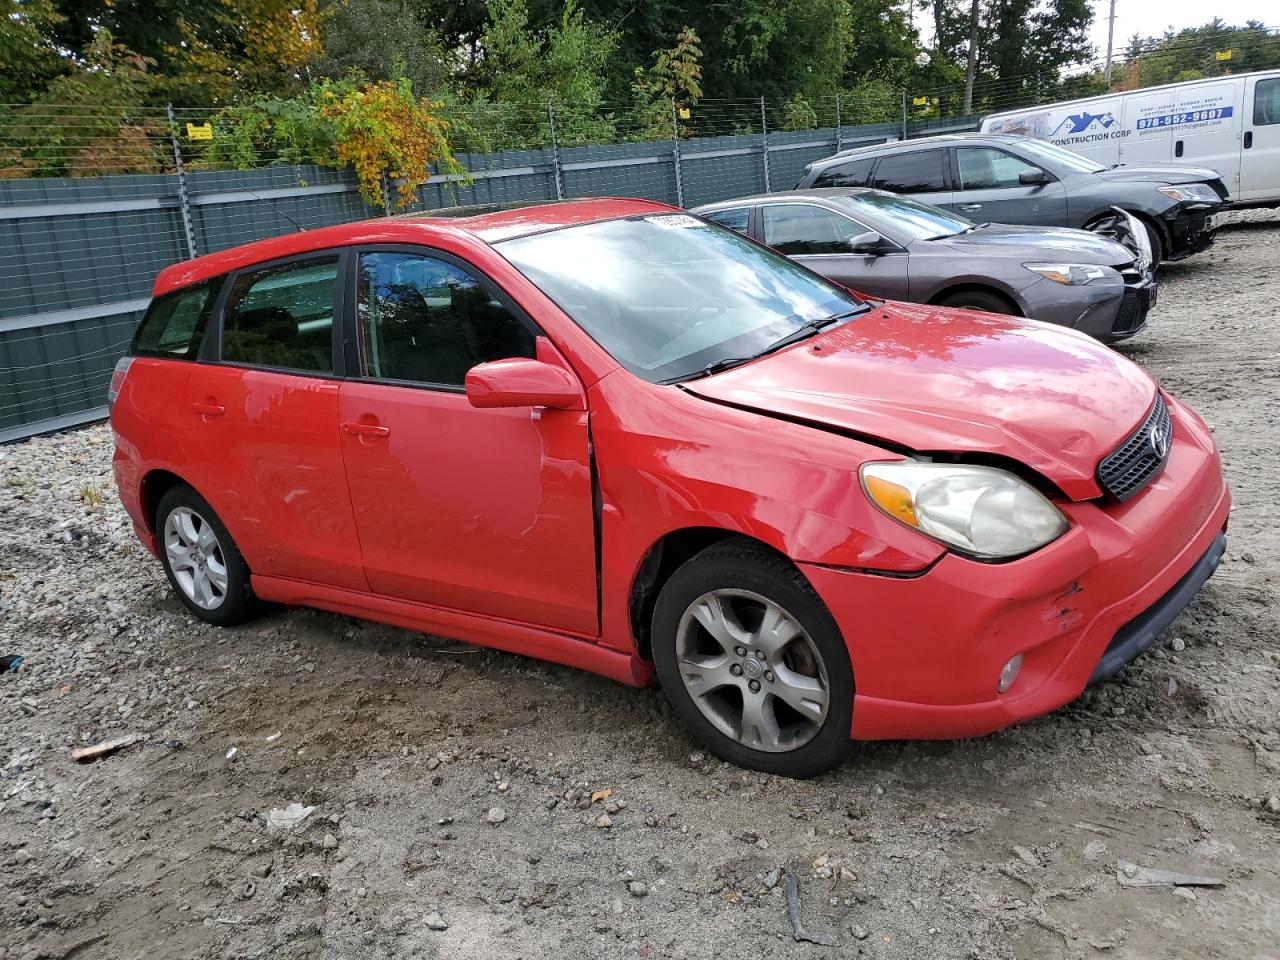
{"x": 1032, "y": 178}
{"x": 521, "y": 382}
{"x": 869, "y": 243}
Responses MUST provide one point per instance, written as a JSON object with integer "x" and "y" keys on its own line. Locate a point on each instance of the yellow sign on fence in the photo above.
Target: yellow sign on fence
{"x": 919, "y": 101}
{"x": 684, "y": 113}
{"x": 1222, "y": 55}
{"x": 200, "y": 131}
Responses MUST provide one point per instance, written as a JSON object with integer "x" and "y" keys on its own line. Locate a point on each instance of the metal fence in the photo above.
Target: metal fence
{"x": 79, "y": 254}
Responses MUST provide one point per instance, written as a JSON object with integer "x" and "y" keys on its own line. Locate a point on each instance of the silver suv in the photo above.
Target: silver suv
{"x": 1004, "y": 178}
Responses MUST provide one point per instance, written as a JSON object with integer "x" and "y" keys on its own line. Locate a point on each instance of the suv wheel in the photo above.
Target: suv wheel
{"x": 201, "y": 560}
{"x": 752, "y": 662}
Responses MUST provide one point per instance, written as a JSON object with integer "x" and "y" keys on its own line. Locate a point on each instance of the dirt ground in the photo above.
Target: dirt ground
{"x": 1005, "y": 846}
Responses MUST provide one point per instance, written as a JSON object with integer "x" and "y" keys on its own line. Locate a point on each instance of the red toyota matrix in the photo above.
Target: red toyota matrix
{"x": 614, "y": 435}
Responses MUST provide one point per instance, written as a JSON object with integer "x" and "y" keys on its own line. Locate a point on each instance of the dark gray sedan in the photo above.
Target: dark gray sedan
{"x": 900, "y": 249}
{"x": 1015, "y": 179}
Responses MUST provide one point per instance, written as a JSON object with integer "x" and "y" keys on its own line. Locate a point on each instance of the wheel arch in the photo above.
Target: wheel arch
{"x": 1146, "y": 218}
{"x": 155, "y": 485}
{"x": 661, "y": 560}
{"x": 977, "y": 286}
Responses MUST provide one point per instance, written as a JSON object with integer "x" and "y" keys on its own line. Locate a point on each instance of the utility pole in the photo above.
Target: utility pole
{"x": 1111, "y": 32}
{"x": 971, "y": 68}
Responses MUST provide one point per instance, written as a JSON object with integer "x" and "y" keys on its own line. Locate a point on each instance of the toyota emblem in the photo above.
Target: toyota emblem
{"x": 1159, "y": 440}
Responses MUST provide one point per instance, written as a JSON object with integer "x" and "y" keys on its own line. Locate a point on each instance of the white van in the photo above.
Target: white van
{"x": 1229, "y": 123}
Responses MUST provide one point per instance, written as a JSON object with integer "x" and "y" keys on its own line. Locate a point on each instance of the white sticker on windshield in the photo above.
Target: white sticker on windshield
{"x": 678, "y": 220}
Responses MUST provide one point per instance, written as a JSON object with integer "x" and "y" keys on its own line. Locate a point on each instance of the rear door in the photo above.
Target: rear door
{"x": 987, "y": 189}
{"x": 1260, "y": 149}
{"x": 261, "y": 414}
{"x": 819, "y": 238}
{"x": 921, "y": 174}
{"x": 485, "y": 511}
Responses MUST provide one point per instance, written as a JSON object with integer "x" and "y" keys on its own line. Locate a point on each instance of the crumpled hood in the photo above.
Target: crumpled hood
{"x": 960, "y": 381}
{"x": 1161, "y": 173}
{"x": 1055, "y": 244}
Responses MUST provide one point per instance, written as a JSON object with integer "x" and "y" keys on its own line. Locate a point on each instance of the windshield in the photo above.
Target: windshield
{"x": 668, "y": 294}
{"x": 918, "y": 220}
{"x": 1043, "y": 150}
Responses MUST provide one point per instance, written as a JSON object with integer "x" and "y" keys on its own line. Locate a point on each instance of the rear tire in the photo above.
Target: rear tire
{"x": 987, "y": 300}
{"x": 201, "y": 560}
{"x": 753, "y": 663}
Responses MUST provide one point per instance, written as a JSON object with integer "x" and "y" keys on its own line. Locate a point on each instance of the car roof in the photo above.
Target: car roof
{"x": 812, "y": 193}
{"x": 485, "y": 224}
{"x": 903, "y": 146}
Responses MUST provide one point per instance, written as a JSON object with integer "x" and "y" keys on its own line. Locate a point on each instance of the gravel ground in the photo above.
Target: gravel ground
{"x": 453, "y": 788}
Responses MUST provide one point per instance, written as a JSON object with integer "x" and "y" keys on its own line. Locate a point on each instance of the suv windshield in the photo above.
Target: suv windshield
{"x": 918, "y": 220}
{"x": 1051, "y": 153}
{"x": 669, "y": 295}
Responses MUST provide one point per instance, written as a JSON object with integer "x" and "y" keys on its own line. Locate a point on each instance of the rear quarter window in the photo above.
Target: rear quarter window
{"x": 851, "y": 174}
{"x": 174, "y": 323}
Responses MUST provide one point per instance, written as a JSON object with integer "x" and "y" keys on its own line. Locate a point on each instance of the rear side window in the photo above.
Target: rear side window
{"x": 283, "y": 317}
{"x": 174, "y": 324}
{"x": 427, "y": 321}
{"x": 736, "y": 219}
{"x": 1266, "y": 103}
{"x": 912, "y": 172}
{"x": 851, "y": 174}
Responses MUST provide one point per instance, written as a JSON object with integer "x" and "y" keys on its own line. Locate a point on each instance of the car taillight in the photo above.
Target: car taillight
{"x": 117, "y": 379}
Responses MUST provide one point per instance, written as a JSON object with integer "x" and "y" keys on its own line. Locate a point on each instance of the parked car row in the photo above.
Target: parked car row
{"x": 618, "y": 435}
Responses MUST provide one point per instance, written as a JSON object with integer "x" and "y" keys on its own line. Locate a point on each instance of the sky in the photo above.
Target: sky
{"x": 1150, "y": 17}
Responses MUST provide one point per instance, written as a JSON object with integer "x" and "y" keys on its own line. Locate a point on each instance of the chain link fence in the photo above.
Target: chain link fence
{"x": 95, "y": 201}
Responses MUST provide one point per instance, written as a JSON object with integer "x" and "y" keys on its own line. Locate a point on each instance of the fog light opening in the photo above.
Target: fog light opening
{"x": 1009, "y": 673}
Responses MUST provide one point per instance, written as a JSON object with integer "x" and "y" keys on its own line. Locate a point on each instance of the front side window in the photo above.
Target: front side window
{"x": 424, "y": 320}
{"x": 737, "y": 218}
{"x": 283, "y": 317}
{"x": 668, "y": 294}
{"x": 797, "y": 229}
{"x": 174, "y": 324}
{"x": 982, "y": 168}
{"x": 1266, "y": 103}
{"x": 919, "y": 172}
{"x": 851, "y": 174}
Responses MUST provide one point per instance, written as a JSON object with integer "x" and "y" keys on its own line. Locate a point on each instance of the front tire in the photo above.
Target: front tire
{"x": 752, "y": 662}
{"x": 201, "y": 560}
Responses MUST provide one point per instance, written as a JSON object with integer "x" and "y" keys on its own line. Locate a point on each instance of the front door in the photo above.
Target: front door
{"x": 485, "y": 511}
{"x": 819, "y": 238}
{"x": 1260, "y": 150}
{"x": 262, "y": 416}
{"x": 988, "y": 190}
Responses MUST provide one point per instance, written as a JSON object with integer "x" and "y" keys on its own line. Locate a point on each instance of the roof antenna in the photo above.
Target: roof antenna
{"x": 274, "y": 207}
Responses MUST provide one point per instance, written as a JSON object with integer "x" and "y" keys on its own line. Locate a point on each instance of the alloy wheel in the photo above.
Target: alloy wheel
{"x": 752, "y": 670}
{"x": 195, "y": 557}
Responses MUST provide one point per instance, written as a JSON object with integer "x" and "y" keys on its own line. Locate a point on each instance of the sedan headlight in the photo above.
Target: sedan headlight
{"x": 1070, "y": 274}
{"x": 981, "y": 511}
{"x": 1191, "y": 193}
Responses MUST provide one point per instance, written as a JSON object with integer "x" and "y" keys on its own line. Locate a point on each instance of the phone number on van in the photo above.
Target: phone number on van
{"x": 1175, "y": 119}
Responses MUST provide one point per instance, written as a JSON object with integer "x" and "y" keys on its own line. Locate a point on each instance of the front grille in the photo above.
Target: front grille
{"x": 1129, "y": 467}
{"x": 1132, "y": 314}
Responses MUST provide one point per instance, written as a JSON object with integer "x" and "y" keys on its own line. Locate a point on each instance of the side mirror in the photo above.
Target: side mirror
{"x": 869, "y": 243}
{"x": 1032, "y": 178}
{"x": 521, "y": 382}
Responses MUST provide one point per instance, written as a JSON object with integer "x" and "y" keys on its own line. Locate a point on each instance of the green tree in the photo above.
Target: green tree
{"x": 29, "y": 55}
{"x": 382, "y": 40}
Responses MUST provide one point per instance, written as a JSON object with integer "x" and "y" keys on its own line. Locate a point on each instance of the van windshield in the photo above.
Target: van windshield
{"x": 1043, "y": 150}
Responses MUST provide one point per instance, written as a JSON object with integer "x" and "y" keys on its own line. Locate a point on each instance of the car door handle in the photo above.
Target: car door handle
{"x": 208, "y": 409}
{"x": 970, "y": 206}
{"x": 358, "y": 429}
{"x": 1248, "y": 139}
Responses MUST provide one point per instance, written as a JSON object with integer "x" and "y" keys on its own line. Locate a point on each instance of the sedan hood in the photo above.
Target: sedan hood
{"x": 958, "y": 381}
{"x": 1038, "y": 243}
{"x": 1161, "y": 173}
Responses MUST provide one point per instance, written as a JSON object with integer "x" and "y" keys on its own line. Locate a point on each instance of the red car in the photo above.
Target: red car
{"x": 613, "y": 435}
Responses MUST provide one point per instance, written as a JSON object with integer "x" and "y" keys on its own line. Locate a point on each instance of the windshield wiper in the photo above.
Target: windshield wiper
{"x": 806, "y": 329}
{"x": 959, "y": 233}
